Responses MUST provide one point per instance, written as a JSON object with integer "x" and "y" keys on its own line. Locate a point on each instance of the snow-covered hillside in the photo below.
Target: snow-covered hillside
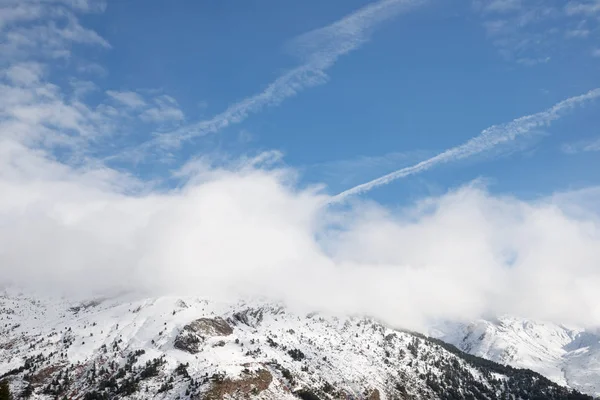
{"x": 190, "y": 348}
{"x": 568, "y": 356}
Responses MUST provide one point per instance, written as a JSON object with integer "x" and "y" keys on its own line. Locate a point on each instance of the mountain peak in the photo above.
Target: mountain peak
{"x": 192, "y": 348}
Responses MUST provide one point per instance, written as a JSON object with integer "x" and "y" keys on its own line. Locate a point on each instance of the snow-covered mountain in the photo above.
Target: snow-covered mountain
{"x": 190, "y": 348}
{"x": 568, "y": 356}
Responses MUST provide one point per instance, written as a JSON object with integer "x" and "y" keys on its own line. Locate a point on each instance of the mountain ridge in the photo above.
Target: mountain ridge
{"x": 192, "y": 348}
{"x": 569, "y": 356}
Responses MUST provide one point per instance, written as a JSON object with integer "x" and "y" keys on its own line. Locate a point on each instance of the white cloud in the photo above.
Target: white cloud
{"x": 593, "y": 146}
{"x": 582, "y": 146}
{"x": 127, "y": 98}
{"x": 44, "y": 116}
{"x": 82, "y": 88}
{"x": 532, "y": 61}
{"x": 250, "y": 230}
{"x": 82, "y": 5}
{"x": 57, "y": 119}
{"x": 498, "y": 6}
{"x": 76, "y": 33}
{"x": 529, "y": 32}
{"x": 496, "y": 27}
{"x": 41, "y": 115}
{"x": 354, "y": 170}
{"x": 245, "y": 136}
{"x": 15, "y": 12}
{"x": 86, "y": 67}
{"x": 25, "y": 74}
{"x": 596, "y": 52}
{"x": 50, "y": 29}
{"x": 320, "y": 49}
{"x": 488, "y": 139}
{"x": 520, "y": 33}
{"x": 159, "y": 114}
{"x": 165, "y": 109}
{"x": 577, "y": 33}
{"x": 586, "y": 7}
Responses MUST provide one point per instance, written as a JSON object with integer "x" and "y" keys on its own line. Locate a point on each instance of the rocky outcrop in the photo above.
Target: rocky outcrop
{"x": 249, "y": 316}
{"x": 195, "y": 333}
{"x": 251, "y": 385}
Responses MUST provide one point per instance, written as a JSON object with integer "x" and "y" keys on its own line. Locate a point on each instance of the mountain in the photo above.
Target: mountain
{"x": 191, "y": 348}
{"x": 568, "y": 356}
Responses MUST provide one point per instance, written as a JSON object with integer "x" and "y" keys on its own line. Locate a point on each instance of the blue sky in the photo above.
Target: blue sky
{"x": 421, "y": 77}
{"x": 398, "y": 149}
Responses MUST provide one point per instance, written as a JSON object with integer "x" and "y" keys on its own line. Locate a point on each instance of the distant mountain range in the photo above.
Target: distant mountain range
{"x": 568, "y": 356}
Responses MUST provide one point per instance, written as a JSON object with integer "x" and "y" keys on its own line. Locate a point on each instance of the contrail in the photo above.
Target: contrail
{"x": 320, "y": 49}
{"x": 488, "y": 139}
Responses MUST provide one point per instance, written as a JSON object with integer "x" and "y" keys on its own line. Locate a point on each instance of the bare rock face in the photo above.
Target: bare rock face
{"x": 193, "y": 334}
{"x": 251, "y": 385}
{"x": 249, "y": 316}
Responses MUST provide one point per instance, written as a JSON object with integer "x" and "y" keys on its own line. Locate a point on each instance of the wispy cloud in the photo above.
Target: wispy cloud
{"x": 91, "y": 68}
{"x": 577, "y": 33}
{"x": 596, "y": 52}
{"x": 81, "y": 88}
{"x": 498, "y": 5}
{"x": 25, "y": 74}
{"x": 159, "y": 109}
{"x": 13, "y": 12}
{"x": 320, "y": 50}
{"x": 529, "y": 32}
{"x": 127, "y": 98}
{"x": 517, "y": 28}
{"x": 581, "y": 146}
{"x": 488, "y": 139}
{"x": 165, "y": 109}
{"x": 587, "y": 8}
{"x": 54, "y": 119}
{"x": 346, "y": 172}
{"x": 532, "y": 61}
{"x": 158, "y": 114}
{"x": 50, "y": 31}
{"x": 34, "y": 112}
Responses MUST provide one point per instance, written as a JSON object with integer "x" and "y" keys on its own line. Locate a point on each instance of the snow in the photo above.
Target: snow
{"x": 569, "y": 356}
{"x": 354, "y": 353}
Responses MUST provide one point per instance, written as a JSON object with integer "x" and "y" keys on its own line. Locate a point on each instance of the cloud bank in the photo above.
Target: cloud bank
{"x": 249, "y": 230}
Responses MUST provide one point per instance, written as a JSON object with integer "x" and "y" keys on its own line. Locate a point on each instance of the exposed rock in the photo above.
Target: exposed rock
{"x": 85, "y": 305}
{"x": 374, "y": 395}
{"x": 252, "y": 385}
{"x": 250, "y": 316}
{"x": 193, "y": 334}
{"x": 42, "y": 375}
{"x": 181, "y": 304}
{"x": 306, "y": 394}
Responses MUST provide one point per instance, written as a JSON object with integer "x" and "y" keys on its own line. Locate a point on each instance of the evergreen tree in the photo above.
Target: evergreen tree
{"x": 5, "y": 391}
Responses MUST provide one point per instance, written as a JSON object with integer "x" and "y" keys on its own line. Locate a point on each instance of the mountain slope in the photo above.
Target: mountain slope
{"x": 567, "y": 356}
{"x": 189, "y": 348}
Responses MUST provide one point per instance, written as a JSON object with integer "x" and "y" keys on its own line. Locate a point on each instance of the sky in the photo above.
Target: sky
{"x": 397, "y": 149}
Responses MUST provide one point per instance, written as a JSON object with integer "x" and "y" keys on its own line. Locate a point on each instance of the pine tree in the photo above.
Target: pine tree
{"x": 5, "y": 391}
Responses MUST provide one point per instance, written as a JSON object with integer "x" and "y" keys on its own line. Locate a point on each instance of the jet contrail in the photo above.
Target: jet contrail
{"x": 320, "y": 49}
{"x": 488, "y": 139}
